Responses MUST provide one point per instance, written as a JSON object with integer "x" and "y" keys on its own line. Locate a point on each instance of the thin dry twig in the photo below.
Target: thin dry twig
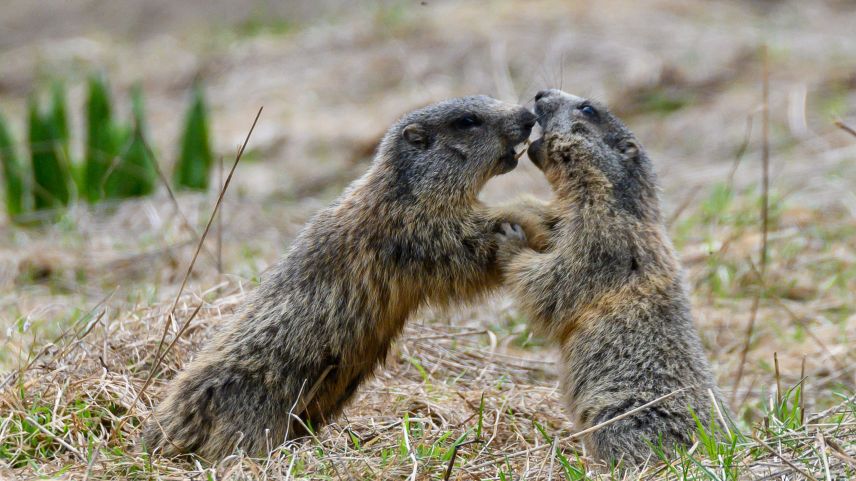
{"x": 741, "y": 151}
{"x": 823, "y": 457}
{"x": 688, "y": 199}
{"x": 765, "y": 200}
{"x": 838, "y": 452}
{"x": 553, "y": 446}
{"x": 310, "y": 395}
{"x": 606, "y": 423}
{"x": 827, "y": 412}
{"x": 176, "y": 207}
{"x": 747, "y": 342}
{"x": 214, "y": 212}
{"x": 158, "y": 360}
{"x": 405, "y": 428}
{"x": 841, "y": 125}
{"x": 454, "y": 456}
{"x": 522, "y": 150}
{"x": 171, "y": 315}
{"x": 802, "y": 392}
{"x": 592, "y": 429}
{"x": 778, "y": 379}
{"x": 220, "y": 182}
{"x": 783, "y": 458}
{"x": 765, "y": 161}
{"x": 808, "y": 330}
{"x": 719, "y": 412}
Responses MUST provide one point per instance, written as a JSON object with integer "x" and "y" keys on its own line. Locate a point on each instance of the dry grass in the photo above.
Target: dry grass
{"x": 445, "y": 385}
{"x": 470, "y": 393}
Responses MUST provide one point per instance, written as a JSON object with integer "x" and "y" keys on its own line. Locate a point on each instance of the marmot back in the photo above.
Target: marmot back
{"x": 609, "y": 287}
{"x": 409, "y": 232}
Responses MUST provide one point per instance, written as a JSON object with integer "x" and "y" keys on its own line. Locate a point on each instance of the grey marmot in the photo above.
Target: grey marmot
{"x": 609, "y": 288}
{"x": 410, "y": 232}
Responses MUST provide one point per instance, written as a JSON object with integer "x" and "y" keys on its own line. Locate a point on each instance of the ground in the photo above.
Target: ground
{"x": 86, "y": 302}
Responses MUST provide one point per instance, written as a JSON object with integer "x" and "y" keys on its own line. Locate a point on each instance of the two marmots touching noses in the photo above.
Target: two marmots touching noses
{"x": 593, "y": 270}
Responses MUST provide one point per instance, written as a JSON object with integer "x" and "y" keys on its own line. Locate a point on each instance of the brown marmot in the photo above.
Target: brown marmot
{"x": 609, "y": 288}
{"x": 409, "y": 232}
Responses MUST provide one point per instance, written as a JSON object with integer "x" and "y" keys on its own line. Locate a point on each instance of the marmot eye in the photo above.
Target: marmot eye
{"x": 588, "y": 111}
{"x": 467, "y": 122}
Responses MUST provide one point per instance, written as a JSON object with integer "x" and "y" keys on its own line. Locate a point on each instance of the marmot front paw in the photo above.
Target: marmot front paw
{"x": 509, "y": 232}
{"x": 510, "y": 240}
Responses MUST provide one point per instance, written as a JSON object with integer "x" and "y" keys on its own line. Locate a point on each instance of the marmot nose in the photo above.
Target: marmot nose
{"x": 540, "y": 95}
{"x": 528, "y": 120}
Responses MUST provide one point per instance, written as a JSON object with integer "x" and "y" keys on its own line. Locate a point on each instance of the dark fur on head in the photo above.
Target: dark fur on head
{"x": 608, "y": 287}
{"x": 409, "y": 232}
{"x": 452, "y": 148}
{"x": 582, "y": 135}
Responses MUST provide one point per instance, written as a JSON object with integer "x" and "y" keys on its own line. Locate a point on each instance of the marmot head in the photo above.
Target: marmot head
{"x": 583, "y": 139}
{"x": 450, "y": 149}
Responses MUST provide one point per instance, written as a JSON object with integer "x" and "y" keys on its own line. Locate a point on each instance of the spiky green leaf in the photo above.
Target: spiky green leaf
{"x": 51, "y": 175}
{"x": 13, "y": 174}
{"x": 195, "y": 160}
{"x": 134, "y": 174}
{"x": 101, "y": 146}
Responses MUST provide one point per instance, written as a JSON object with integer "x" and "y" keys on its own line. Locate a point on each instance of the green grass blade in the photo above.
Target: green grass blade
{"x": 59, "y": 117}
{"x": 51, "y": 177}
{"x": 139, "y": 154}
{"x": 100, "y": 139}
{"x": 13, "y": 174}
{"x": 118, "y": 180}
{"x": 195, "y": 161}
{"x": 134, "y": 175}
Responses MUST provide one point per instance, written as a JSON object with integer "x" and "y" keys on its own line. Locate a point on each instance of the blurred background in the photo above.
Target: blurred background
{"x": 332, "y": 75}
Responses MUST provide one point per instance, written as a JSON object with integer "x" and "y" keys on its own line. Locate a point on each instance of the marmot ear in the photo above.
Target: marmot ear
{"x": 415, "y": 135}
{"x": 629, "y": 148}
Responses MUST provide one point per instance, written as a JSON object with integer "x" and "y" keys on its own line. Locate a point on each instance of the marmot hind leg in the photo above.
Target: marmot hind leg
{"x": 217, "y": 411}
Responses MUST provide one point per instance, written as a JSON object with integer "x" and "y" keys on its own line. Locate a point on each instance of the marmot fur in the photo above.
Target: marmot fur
{"x": 609, "y": 288}
{"x": 409, "y": 232}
